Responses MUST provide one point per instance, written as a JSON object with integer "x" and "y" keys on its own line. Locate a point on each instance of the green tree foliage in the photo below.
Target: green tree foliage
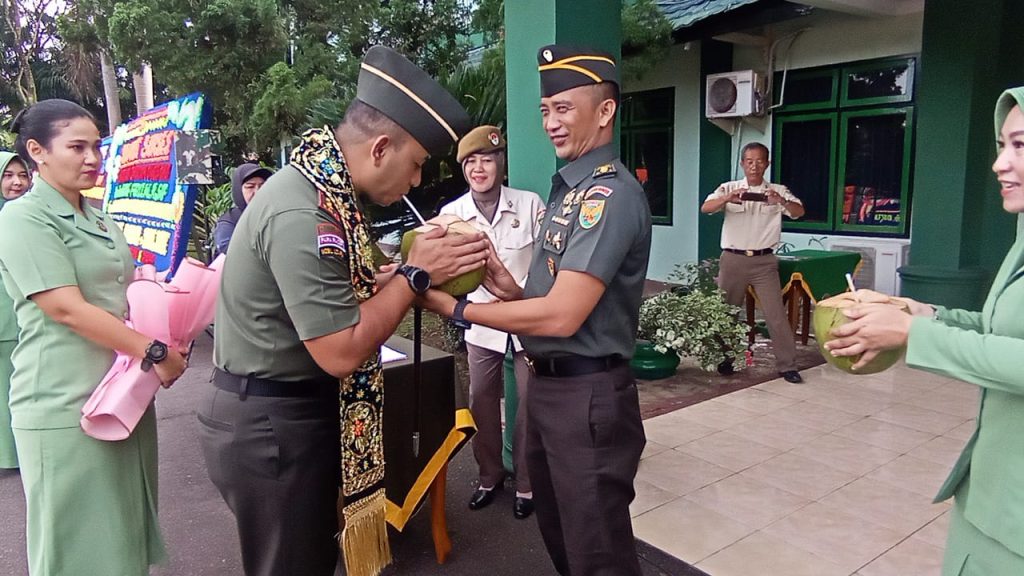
{"x": 646, "y": 38}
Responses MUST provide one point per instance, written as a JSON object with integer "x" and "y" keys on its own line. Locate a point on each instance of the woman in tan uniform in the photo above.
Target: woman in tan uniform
{"x": 91, "y": 505}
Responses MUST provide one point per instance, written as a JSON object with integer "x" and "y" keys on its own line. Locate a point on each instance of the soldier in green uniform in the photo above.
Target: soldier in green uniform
{"x": 577, "y": 318}
{"x": 91, "y": 505}
{"x": 14, "y": 181}
{"x": 301, "y": 307}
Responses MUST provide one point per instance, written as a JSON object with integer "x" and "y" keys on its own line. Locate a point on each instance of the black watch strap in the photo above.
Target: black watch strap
{"x": 156, "y": 353}
{"x": 458, "y": 317}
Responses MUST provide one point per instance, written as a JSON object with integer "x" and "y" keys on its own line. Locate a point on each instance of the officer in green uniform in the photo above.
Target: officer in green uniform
{"x": 14, "y": 181}
{"x": 91, "y": 504}
{"x": 577, "y": 318}
{"x": 300, "y": 308}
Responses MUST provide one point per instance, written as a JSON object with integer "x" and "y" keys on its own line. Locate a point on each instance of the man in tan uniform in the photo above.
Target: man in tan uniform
{"x": 301, "y": 307}
{"x": 753, "y": 227}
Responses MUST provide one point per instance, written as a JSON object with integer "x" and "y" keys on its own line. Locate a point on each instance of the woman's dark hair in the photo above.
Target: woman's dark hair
{"x": 41, "y": 122}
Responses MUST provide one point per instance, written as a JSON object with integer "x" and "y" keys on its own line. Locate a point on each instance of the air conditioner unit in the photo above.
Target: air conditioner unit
{"x": 879, "y": 261}
{"x": 734, "y": 94}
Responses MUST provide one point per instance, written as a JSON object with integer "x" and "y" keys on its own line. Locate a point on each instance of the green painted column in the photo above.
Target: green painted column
{"x": 715, "y": 152}
{"x": 970, "y": 52}
{"x": 530, "y": 24}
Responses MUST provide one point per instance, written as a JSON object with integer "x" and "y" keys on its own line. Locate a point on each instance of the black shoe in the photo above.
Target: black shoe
{"x": 792, "y": 376}
{"x": 522, "y": 508}
{"x": 725, "y": 368}
{"x": 481, "y": 498}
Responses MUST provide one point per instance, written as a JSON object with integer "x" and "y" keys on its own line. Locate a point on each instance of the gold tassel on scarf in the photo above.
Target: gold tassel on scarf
{"x": 364, "y": 538}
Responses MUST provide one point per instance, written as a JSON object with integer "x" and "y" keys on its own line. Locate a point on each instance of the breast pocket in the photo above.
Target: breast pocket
{"x": 733, "y": 207}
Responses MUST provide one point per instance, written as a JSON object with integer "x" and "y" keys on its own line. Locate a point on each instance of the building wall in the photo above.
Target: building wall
{"x": 677, "y": 244}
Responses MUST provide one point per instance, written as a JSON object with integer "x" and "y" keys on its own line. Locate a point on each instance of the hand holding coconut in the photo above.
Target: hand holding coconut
{"x": 450, "y": 250}
{"x": 862, "y": 332}
{"x": 498, "y": 280}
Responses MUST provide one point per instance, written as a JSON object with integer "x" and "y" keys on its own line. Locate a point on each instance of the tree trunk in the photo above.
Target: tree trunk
{"x": 110, "y": 91}
{"x": 142, "y": 79}
{"x": 25, "y": 82}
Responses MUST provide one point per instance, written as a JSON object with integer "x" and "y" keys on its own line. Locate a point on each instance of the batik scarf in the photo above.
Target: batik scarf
{"x": 361, "y": 503}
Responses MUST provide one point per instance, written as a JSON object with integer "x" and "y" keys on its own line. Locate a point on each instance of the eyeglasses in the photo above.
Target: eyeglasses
{"x": 754, "y": 162}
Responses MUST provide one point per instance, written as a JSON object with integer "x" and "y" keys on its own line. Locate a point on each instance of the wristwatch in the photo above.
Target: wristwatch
{"x": 156, "y": 353}
{"x": 458, "y": 317}
{"x": 419, "y": 279}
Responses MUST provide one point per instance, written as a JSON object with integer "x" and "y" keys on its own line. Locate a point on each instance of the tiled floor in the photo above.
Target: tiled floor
{"x": 834, "y": 476}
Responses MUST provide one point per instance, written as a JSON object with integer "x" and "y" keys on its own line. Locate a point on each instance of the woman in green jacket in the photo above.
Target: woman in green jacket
{"x": 14, "y": 181}
{"x": 90, "y": 505}
{"x": 986, "y": 533}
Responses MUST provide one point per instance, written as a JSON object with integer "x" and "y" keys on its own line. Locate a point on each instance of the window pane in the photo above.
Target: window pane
{"x": 651, "y": 163}
{"x": 874, "y": 165}
{"x": 652, "y": 106}
{"x": 884, "y": 82}
{"x": 806, "y": 160}
{"x": 804, "y": 89}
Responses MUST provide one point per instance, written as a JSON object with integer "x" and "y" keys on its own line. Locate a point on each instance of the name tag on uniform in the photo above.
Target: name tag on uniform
{"x": 329, "y": 240}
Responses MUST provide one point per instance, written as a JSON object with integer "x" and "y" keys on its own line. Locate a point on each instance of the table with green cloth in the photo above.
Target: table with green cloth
{"x": 439, "y": 413}
{"x": 807, "y": 276}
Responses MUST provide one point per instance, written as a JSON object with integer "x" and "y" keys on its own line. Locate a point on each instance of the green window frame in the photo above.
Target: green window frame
{"x": 641, "y": 122}
{"x": 841, "y": 110}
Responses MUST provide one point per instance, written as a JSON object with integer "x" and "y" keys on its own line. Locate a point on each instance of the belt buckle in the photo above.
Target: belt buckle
{"x": 748, "y": 252}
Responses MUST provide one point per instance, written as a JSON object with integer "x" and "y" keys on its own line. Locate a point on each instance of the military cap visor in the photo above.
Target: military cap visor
{"x": 407, "y": 95}
{"x": 564, "y": 68}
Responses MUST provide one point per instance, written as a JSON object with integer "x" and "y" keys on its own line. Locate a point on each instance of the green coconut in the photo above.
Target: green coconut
{"x": 462, "y": 284}
{"x": 828, "y": 315}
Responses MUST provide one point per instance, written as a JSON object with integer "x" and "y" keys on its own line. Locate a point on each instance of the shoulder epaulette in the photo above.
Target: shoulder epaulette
{"x": 605, "y": 170}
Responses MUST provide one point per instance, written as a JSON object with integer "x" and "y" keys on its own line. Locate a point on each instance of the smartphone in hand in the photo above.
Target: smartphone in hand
{"x": 753, "y": 197}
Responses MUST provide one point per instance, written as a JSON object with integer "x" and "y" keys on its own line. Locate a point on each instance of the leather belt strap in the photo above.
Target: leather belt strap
{"x": 566, "y": 366}
{"x": 749, "y": 252}
{"x": 251, "y": 386}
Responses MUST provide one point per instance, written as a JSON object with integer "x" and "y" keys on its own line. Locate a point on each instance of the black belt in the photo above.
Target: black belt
{"x": 572, "y": 365}
{"x": 750, "y": 252}
{"x": 250, "y": 386}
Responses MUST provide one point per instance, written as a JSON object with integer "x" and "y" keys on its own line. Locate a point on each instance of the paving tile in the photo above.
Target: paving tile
{"x": 816, "y": 416}
{"x": 648, "y": 497}
{"x": 886, "y": 505}
{"x": 945, "y": 403}
{"x": 766, "y": 555}
{"x": 920, "y": 418}
{"x": 847, "y": 540}
{"x": 729, "y": 451}
{"x": 687, "y": 530}
{"x": 678, "y": 473}
{"x": 714, "y": 414}
{"x": 798, "y": 475}
{"x": 859, "y": 402}
{"x": 796, "y": 391}
{"x": 758, "y": 401}
{"x": 935, "y": 532}
{"x": 748, "y": 501}
{"x": 914, "y": 474}
{"x": 963, "y": 432}
{"x": 652, "y": 448}
{"x": 941, "y": 450}
{"x": 884, "y": 435}
{"x": 909, "y": 558}
{"x": 672, "y": 432}
{"x": 773, "y": 431}
{"x": 962, "y": 389}
{"x": 846, "y": 454}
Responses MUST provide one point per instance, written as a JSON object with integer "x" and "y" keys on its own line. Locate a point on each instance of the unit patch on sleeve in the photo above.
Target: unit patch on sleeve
{"x": 590, "y": 213}
{"x": 602, "y": 191}
{"x": 329, "y": 240}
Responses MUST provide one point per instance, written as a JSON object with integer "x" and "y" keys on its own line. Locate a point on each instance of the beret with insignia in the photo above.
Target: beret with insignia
{"x": 406, "y": 94}
{"x": 565, "y": 67}
{"x": 480, "y": 140}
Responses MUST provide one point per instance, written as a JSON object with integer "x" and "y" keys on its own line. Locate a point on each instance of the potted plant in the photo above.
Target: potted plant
{"x": 691, "y": 320}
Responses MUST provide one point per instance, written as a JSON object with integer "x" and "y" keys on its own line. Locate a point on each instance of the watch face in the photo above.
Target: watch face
{"x": 157, "y": 351}
{"x": 420, "y": 281}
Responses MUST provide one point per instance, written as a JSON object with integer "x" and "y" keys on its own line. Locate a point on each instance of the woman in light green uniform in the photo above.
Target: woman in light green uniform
{"x": 986, "y": 532}
{"x": 14, "y": 181}
{"x": 91, "y": 505}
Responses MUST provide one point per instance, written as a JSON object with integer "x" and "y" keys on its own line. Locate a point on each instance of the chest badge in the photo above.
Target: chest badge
{"x": 515, "y": 223}
{"x": 551, "y": 266}
{"x": 590, "y": 213}
{"x": 101, "y": 225}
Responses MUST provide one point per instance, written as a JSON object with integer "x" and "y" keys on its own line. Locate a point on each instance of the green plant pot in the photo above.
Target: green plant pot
{"x": 649, "y": 364}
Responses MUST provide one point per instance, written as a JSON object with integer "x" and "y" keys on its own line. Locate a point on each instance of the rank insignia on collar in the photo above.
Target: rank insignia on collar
{"x": 101, "y": 225}
{"x": 598, "y": 191}
{"x": 509, "y": 203}
{"x": 551, "y": 266}
{"x": 590, "y": 213}
{"x": 605, "y": 170}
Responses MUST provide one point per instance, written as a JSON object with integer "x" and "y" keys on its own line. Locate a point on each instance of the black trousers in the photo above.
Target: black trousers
{"x": 583, "y": 444}
{"x": 276, "y": 462}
